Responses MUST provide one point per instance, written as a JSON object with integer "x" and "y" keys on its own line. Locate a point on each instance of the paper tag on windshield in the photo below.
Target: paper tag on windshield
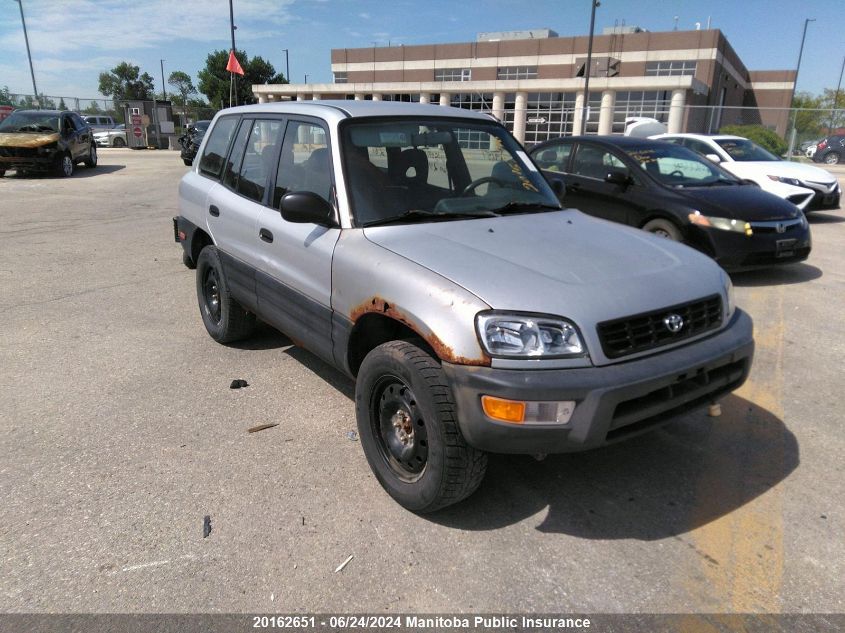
{"x": 525, "y": 160}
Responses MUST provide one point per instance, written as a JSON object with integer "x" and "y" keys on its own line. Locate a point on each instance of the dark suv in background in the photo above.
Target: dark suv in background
{"x": 45, "y": 140}
{"x": 830, "y": 150}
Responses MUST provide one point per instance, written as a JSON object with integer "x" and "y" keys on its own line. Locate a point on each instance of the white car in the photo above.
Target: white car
{"x": 809, "y": 188}
{"x": 115, "y": 137}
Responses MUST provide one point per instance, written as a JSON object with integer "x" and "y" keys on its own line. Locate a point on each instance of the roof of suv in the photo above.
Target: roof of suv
{"x": 341, "y": 109}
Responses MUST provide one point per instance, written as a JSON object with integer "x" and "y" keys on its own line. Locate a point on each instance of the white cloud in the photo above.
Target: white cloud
{"x": 364, "y": 16}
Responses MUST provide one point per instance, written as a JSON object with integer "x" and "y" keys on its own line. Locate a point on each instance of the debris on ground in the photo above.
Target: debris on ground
{"x": 238, "y": 383}
{"x": 206, "y": 526}
{"x": 344, "y": 563}
{"x": 714, "y": 410}
{"x": 261, "y": 427}
{"x": 352, "y": 436}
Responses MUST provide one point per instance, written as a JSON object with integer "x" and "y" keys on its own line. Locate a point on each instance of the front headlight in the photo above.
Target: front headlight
{"x": 787, "y": 181}
{"x": 516, "y": 335}
{"x": 729, "y": 296}
{"x": 724, "y": 224}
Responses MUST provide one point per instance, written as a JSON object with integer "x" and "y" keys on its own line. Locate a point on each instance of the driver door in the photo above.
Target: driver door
{"x": 588, "y": 191}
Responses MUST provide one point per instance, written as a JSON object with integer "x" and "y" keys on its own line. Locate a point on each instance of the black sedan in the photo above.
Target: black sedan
{"x": 675, "y": 193}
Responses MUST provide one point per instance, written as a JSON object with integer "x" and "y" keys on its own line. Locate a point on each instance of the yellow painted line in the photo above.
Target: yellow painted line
{"x": 740, "y": 567}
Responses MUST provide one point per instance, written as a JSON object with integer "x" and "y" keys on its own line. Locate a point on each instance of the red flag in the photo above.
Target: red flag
{"x": 234, "y": 65}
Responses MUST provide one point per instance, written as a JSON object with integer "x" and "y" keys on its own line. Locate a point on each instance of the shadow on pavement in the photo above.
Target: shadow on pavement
{"x": 818, "y": 217}
{"x": 657, "y": 485}
{"x": 776, "y": 276}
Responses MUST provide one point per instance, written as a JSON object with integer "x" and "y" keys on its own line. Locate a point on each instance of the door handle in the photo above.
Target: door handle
{"x": 265, "y": 235}
{"x": 573, "y": 186}
{"x": 213, "y": 210}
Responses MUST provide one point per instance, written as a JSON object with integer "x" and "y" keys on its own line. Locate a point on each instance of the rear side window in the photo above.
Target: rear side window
{"x": 211, "y": 163}
{"x": 595, "y": 162}
{"x": 554, "y": 158}
{"x": 261, "y": 146}
{"x": 233, "y": 167}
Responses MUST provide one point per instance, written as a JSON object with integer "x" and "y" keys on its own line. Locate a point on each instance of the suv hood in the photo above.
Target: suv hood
{"x": 561, "y": 263}
{"x": 27, "y": 139}
{"x": 748, "y": 203}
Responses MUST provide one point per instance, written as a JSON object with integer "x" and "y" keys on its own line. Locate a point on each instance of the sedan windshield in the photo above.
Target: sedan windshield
{"x": 743, "y": 150}
{"x": 30, "y": 122}
{"x": 407, "y": 170}
{"x": 677, "y": 166}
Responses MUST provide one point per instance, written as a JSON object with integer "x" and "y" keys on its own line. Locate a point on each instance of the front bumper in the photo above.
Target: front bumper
{"x": 765, "y": 247}
{"x": 44, "y": 162}
{"x": 613, "y": 402}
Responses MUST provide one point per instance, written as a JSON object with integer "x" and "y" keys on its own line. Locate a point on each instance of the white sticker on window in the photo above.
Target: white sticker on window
{"x": 525, "y": 160}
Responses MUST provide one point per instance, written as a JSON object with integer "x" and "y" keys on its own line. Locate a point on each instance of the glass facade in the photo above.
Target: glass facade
{"x": 453, "y": 74}
{"x": 516, "y": 72}
{"x": 645, "y": 103}
{"x": 340, "y": 78}
{"x": 670, "y": 68}
{"x": 548, "y": 115}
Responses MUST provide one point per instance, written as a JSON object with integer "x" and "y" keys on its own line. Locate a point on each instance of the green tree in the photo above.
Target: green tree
{"x": 62, "y": 105}
{"x": 763, "y": 136}
{"x": 92, "y": 108}
{"x": 214, "y": 79}
{"x": 181, "y": 81}
{"x": 5, "y": 96}
{"x": 808, "y": 118}
{"x": 834, "y": 117}
{"x": 125, "y": 81}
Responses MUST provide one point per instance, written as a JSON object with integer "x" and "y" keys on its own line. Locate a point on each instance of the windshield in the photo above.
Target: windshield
{"x": 743, "y": 150}
{"x": 415, "y": 170}
{"x": 39, "y": 122}
{"x": 678, "y": 166}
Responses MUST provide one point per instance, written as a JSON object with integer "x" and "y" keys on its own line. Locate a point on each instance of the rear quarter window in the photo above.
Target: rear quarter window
{"x": 217, "y": 146}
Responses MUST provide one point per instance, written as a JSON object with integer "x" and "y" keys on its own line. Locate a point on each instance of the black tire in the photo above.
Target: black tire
{"x": 224, "y": 318}
{"x": 664, "y": 228}
{"x": 91, "y": 161}
{"x": 118, "y": 142}
{"x": 831, "y": 158}
{"x": 64, "y": 166}
{"x": 189, "y": 263}
{"x": 187, "y": 162}
{"x": 408, "y": 427}
{"x": 2, "y": 172}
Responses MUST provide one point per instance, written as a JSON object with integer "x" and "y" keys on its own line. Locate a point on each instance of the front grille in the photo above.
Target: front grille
{"x": 18, "y": 152}
{"x": 649, "y": 330}
{"x": 776, "y": 226}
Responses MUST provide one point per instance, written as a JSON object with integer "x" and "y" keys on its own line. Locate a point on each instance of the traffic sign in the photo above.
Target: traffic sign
{"x": 136, "y": 119}
{"x": 137, "y": 131}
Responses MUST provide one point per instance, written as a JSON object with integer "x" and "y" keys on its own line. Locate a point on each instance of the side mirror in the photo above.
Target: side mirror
{"x": 305, "y": 207}
{"x": 619, "y": 178}
{"x": 713, "y": 158}
{"x": 559, "y": 187}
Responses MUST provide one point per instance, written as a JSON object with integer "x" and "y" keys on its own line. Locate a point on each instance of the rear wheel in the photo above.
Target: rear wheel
{"x": 224, "y": 318}
{"x": 118, "y": 142}
{"x": 91, "y": 161}
{"x": 832, "y": 158}
{"x": 664, "y": 228}
{"x": 407, "y": 422}
{"x": 187, "y": 162}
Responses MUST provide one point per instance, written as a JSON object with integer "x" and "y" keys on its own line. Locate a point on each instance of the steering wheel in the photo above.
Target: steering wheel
{"x": 677, "y": 173}
{"x": 482, "y": 181}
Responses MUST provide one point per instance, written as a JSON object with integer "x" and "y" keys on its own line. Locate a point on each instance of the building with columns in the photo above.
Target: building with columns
{"x": 693, "y": 81}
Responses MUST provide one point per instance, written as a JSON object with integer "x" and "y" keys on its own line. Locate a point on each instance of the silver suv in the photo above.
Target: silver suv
{"x": 418, "y": 249}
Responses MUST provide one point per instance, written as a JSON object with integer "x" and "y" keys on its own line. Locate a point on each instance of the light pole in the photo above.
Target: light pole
{"x": 28, "y": 55}
{"x": 287, "y": 65}
{"x": 836, "y": 98}
{"x": 588, "y": 68}
{"x": 233, "y": 89}
{"x": 795, "y": 83}
{"x": 163, "y": 89}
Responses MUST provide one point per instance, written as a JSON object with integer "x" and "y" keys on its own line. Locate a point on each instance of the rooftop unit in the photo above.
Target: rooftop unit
{"x": 530, "y": 34}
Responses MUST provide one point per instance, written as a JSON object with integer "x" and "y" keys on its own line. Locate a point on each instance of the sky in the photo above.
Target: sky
{"x": 72, "y": 41}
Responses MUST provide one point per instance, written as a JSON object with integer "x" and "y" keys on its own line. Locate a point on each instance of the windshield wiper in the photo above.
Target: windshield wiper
{"x": 417, "y": 214}
{"x": 524, "y": 207}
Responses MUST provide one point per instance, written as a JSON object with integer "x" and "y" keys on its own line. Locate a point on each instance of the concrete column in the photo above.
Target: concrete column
{"x": 519, "y": 116}
{"x": 316, "y": 96}
{"x": 499, "y": 105}
{"x": 359, "y": 96}
{"x": 445, "y": 98}
{"x": 262, "y": 98}
{"x": 676, "y": 111}
{"x": 300, "y": 96}
{"x": 608, "y": 100}
{"x": 425, "y": 97}
{"x": 576, "y": 116}
{"x": 271, "y": 98}
{"x": 376, "y": 96}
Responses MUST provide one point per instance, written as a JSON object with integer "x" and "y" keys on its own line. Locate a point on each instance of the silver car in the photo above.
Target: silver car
{"x": 418, "y": 249}
{"x": 115, "y": 137}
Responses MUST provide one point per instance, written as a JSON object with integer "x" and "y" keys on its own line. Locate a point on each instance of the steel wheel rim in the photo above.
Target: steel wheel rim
{"x": 211, "y": 295}
{"x": 399, "y": 428}
{"x": 831, "y": 159}
{"x": 67, "y": 166}
{"x": 662, "y": 233}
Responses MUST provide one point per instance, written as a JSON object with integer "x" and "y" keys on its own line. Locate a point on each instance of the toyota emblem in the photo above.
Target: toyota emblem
{"x": 674, "y": 323}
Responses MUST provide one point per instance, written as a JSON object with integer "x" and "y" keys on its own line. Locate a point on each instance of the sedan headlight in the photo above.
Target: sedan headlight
{"x": 788, "y": 181}
{"x": 729, "y": 295}
{"x": 516, "y": 335}
{"x": 724, "y": 224}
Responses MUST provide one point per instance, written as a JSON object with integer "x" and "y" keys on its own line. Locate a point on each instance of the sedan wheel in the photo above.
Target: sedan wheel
{"x": 832, "y": 158}
{"x": 65, "y": 166}
{"x": 119, "y": 142}
{"x": 91, "y": 161}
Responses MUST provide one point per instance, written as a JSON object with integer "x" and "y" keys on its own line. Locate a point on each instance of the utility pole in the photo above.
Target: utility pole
{"x": 28, "y": 55}
{"x": 233, "y": 83}
{"x": 588, "y": 68}
{"x": 287, "y": 65}
{"x": 836, "y": 98}
{"x": 794, "y": 85}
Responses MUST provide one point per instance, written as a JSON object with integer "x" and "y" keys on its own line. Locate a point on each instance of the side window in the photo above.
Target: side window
{"x": 233, "y": 166}
{"x": 554, "y": 158}
{"x": 698, "y": 146}
{"x": 77, "y": 121}
{"x": 67, "y": 124}
{"x": 261, "y": 146}
{"x": 211, "y": 163}
{"x": 595, "y": 162}
{"x": 304, "y": 163}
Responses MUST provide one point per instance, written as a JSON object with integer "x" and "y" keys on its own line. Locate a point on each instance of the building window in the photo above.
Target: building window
{"x": 547, "y": 115}
{"x": 405, "y": 97}
{"x": 670, "y": 68}
{"x": 473, "y": 101}
{"x": 517, "y": 72}
{"x": 453, "y": 74}
{"x": 340, "y": 78}
{"x": 645, "y": 103}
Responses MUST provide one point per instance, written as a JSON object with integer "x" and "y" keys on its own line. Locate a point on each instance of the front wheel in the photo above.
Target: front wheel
{"x": 664, "y": 228}
{"x": 91, "y": 161}
{"x": 831, "y": 158}
{"x": 64, "y": 166}
{"x": 224, "y": 318}
{"x": 407, "y": 422}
